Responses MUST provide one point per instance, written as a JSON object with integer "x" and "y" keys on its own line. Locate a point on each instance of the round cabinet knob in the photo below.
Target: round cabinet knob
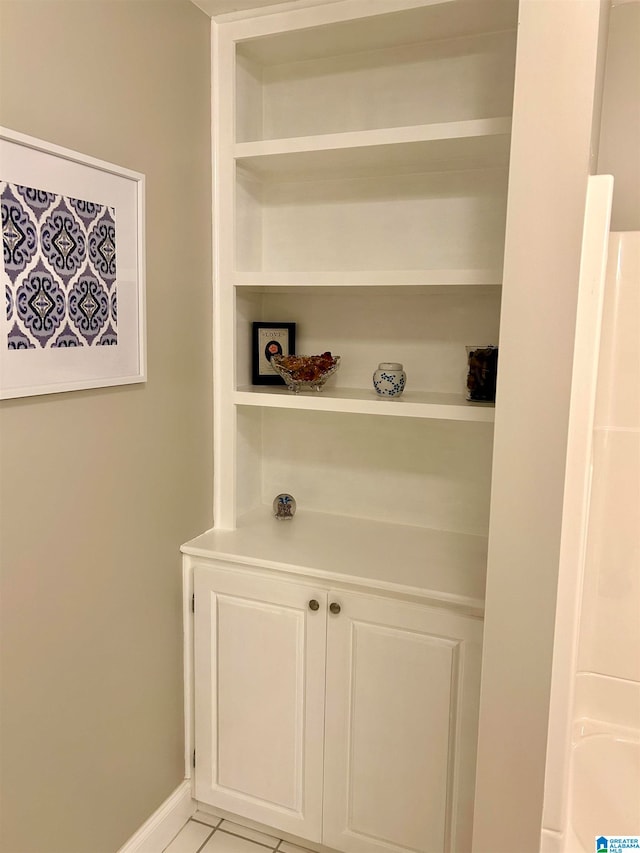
{"x": 314, "y": 605}
{"x": 334, "y": 607}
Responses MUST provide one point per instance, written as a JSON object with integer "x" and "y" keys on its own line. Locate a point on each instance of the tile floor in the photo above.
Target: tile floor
{"x": 206, "y": 833}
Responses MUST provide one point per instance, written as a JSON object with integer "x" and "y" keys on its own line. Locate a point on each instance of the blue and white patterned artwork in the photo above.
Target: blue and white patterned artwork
{"x": 60, "y": 270}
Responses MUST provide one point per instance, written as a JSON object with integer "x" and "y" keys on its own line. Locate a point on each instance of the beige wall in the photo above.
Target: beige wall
{"x": 620, "y": 134}
{"x": 99, "y": 488}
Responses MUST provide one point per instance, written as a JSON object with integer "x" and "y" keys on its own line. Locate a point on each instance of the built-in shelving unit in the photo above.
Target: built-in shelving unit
{"x": 362, "y": 166}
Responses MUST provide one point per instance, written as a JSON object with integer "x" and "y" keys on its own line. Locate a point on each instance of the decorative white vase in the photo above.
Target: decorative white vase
{"x": 389, "y": 379}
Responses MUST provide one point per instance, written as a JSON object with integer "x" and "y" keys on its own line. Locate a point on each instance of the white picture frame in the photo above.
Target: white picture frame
{"x": 94, "y": 336}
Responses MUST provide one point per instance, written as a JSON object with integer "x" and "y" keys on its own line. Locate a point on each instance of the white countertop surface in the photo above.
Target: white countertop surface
{"x": 444, "y": 567}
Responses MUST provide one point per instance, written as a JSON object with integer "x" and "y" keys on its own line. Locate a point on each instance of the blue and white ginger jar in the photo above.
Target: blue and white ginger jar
{"x": 389, "y": 379}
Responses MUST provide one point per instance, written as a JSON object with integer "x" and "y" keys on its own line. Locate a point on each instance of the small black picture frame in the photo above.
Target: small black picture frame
{"x": 269, "y": 339}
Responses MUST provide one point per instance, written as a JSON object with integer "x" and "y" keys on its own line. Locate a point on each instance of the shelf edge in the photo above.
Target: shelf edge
{"x": 478, "y": 413}
{"x": 447, "y": 278}
{"x": 402, "y": 135}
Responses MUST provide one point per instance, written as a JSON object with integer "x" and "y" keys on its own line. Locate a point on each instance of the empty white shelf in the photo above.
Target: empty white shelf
{"x": 473, "y": 144}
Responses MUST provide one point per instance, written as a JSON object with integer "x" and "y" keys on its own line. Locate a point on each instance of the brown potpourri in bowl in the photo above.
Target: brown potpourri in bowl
{"x": 300, "y": 371}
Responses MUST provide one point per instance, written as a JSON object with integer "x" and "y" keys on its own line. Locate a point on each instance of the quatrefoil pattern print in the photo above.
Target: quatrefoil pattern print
{"x": 59, "y": 270}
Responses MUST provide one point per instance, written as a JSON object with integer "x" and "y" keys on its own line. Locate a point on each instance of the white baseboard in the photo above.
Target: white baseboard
{"x": 164, "y": 824}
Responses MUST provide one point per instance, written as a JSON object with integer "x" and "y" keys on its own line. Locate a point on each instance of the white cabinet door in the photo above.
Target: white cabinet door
{"x": 400, "y": 726}
{"x": 259, "y": 698}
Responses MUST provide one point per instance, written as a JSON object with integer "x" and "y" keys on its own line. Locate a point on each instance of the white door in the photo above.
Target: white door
{"x": 401, "y": 720}
{"x": 259, "y": 698}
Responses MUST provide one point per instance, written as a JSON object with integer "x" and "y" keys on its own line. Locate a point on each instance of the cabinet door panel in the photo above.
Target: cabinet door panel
{"x": 401, "y": 714}
{"x": 259, "y": 666}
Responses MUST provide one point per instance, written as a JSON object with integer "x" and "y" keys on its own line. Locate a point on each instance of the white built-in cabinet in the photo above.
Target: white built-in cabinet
{"x": 361, "y": 161}
{"x": 340, "y": 717}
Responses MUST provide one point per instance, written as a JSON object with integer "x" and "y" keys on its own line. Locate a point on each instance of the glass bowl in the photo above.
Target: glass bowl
{"x": 302, "y": 372}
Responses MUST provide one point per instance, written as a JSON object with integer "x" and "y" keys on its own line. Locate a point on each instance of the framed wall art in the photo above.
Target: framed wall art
{"x": 72, "y": 270}
{"x": 270, "y": 339}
